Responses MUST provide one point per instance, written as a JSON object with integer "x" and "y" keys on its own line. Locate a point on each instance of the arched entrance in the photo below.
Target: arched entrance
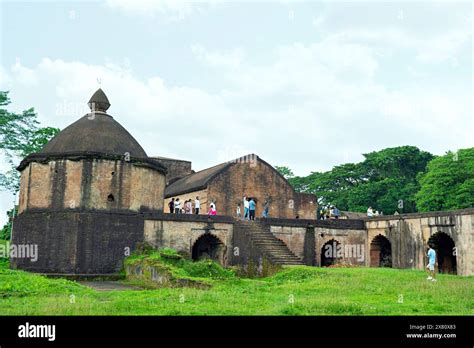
{"x": 329, "y": 253}
{"x": 208, "y": 247}
{"x": 380, "y": 252}
{"x": 445, "y": 252}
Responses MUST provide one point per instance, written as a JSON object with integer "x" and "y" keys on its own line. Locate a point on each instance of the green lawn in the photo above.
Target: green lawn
{"x": 294, "y": 291}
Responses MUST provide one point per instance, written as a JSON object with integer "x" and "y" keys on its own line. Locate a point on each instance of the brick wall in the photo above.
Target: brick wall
{"x": 90, "y": 184}
{"x": 409, "y": 235}
{"x": 180, "y": 232}
{"x": 77, "y": 243}
{"x": 260, "y": 180}
{"x": 306, "y": 238}
{"x": 176, "y": 168}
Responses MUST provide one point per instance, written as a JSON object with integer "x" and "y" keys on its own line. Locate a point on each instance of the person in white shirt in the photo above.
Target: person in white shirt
{"x": 370, "y": 212}
{"x": 197, "y": 206}
{"x": 246, "y": 208}
{"x": 177, "y": 206}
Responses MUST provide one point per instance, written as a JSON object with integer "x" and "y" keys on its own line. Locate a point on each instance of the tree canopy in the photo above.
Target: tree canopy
{"x": 448, "y": 183}
{"x": 285, "y": 171}
{"x": 386, "y": 180}
{"x": 20, "y": 135}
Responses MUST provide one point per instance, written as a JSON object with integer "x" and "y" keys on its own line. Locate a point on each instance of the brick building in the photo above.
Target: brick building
{"x": 225, "y": 184}
{"x": 92, "y": 194}
{"x": 82, "y": 196}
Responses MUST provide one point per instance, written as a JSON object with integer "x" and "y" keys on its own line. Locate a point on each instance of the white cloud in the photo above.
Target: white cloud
{"x": 326, "y": 93}
{"x": 24, "y": 75}
{"x": 432, "y": 49}
{"x": 166, "y": 120}
{"x": 445, "y": 47}
{"x": 173, "y": 9}
{"x": 318, "y": 21}
{"x": 229, "y": 59}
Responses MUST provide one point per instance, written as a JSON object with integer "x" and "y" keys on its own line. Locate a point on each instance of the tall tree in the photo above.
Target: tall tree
{"x": 448, "y": 182}
{"x": 19, "y": 136}
{"x": 385, "y": 180}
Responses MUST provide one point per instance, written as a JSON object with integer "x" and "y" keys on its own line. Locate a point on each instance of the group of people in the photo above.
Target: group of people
{"x": 371, "y": 212}
{"x": 249, "y": 208}
{"x": 330, "y": 212}
{"x": 249, "y": 204}
{"x": 187, "y": 207}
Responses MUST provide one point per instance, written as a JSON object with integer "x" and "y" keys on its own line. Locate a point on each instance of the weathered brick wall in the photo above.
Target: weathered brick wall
{"x": 306, "y": 238}
{"x": 293, "y": 237}
{"x": 77, "y": 243}
{"x": 354, "y": 243}
{"x": 176, "y": 168}
{"x": 36, "y": 186}
{"x": 88, "y": 184}
{"x": 244, "y": 252}
{"x": 181, "y": 232}
{"x": 257, "y": 179}
{"x": 409, "y": 235}
{"x": 306, "y": 206}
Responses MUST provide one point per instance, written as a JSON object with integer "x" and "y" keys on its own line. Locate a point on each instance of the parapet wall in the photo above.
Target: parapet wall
{"x": 409, "y": 235}
{"x": 181, "y": 232}
{"x": 307, "y": 238}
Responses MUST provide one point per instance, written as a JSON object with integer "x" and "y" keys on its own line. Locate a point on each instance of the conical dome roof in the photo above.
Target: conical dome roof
{"x": 95, "y": 132}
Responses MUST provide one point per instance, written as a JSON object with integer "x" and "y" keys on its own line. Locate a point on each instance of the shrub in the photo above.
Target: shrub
{"x": 207, "y": 269}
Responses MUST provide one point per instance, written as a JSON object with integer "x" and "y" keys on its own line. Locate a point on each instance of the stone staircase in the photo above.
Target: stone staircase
{"x": 271, "y": 247}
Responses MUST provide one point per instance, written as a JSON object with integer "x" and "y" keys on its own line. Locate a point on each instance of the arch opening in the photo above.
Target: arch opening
{"x": 380, "y": 252}
{"x": 208, "y": 247}
{"x": 444, "y": 246}
{"x": 330, "y": 253}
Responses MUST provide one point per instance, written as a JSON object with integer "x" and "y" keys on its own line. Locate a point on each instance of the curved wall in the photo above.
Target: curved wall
{"x": 94, "y": 184}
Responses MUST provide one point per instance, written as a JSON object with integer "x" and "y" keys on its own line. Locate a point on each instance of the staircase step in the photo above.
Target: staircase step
{"x": 271, "y": 247}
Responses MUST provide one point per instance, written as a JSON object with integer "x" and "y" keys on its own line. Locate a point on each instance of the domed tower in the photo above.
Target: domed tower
{"x": 82, "y": 197}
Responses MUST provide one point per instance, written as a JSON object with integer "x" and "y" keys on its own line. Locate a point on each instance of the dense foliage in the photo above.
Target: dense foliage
{"x": 448, "y": 182}
{"x": 385, "y": 180}
{"x": 19, "y": 136}
{"x": 5, "y": 232}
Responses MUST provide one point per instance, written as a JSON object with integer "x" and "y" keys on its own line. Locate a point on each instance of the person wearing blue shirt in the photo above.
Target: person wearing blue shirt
{"x": 252, "y": 209}
{"x": 431, "y": 264}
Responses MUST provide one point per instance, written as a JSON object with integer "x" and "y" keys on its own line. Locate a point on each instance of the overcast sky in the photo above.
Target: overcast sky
{"x": 308, "y": 84}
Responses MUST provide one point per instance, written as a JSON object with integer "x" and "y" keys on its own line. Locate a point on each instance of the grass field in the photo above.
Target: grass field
{"x": 296, "y": 290}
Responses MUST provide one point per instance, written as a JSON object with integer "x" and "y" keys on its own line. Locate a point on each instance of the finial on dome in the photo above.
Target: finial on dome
{"x": 99, "y": 101}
